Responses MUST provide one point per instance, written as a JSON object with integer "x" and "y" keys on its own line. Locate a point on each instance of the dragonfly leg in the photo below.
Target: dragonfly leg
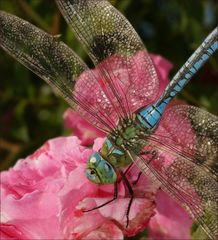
{"x": 125, "y": 172}
{"x": 153, "y": 155}
{"x": 138, "y": 177}
{"x": 131, "y": 192}
{"x": 107, "y": 202}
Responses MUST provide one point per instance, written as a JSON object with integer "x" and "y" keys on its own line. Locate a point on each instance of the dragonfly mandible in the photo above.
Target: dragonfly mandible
{"x": 123, "y": 81}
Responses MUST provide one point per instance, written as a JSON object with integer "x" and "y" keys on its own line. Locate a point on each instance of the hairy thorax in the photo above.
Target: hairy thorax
{"x": 127, "y": 139}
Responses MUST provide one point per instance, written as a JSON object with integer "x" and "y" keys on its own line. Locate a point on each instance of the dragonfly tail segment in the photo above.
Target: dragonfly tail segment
{"x": 151, "y": 115}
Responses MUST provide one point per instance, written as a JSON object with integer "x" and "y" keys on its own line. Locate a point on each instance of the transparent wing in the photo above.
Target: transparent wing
{"x": 60, "y": 67}
{"x": 185, "y": 163}
{"x": 192, "y": 131}
{"x": 125, "y": 66}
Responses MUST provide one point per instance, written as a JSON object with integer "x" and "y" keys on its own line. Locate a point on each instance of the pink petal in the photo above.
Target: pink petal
{"x": 86, "y": 132}
{"x": 170, "y": 221}
{"x": 107, "y": 230}
{"x": 9, "y": 231}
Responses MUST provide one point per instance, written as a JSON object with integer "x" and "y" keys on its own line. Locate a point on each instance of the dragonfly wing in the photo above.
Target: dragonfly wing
{"x": 185, "y": 163}
{"x": 59, "y": 66}
{"x": 192, "y": 131}
{"x": 192, "y": 187}
{"x": 117, "y": 51}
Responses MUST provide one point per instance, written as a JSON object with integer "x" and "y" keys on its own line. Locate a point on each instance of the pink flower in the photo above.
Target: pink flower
{"x": 180, "y": 217}
{"x": 43, "y": 197}
{"x": 86, "y": 132}
{"x": 170, "y": 220}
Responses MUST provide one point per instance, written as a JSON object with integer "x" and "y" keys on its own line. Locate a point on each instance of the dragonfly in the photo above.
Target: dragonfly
{"x": 122, "y": 98}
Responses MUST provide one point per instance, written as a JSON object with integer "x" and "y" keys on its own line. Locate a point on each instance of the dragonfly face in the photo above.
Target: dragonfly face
{"x": 124, "y": 81}
{"x": 101, "y": 165}
{"x": 100, "y": 171}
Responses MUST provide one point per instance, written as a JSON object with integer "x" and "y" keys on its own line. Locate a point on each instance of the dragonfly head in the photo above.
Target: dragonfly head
{"x": 100, "y": 171}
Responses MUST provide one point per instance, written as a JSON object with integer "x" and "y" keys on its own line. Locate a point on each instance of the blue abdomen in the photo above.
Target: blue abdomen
{"x": 149, "y": 117}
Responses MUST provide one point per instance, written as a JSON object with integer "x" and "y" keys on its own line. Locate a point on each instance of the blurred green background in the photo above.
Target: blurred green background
{"x": 31, "y": 113}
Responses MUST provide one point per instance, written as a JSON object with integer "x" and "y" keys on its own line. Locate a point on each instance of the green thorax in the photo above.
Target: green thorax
{"x": 128, "y": 135}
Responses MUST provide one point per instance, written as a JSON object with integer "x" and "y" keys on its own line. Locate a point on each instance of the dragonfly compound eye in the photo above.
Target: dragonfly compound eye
{"x": 99, "y": 170}
{"x": 92, "y": 175}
